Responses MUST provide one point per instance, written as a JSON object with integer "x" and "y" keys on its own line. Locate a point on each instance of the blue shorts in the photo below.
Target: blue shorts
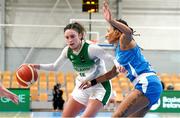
{"x": 150, "y": 86}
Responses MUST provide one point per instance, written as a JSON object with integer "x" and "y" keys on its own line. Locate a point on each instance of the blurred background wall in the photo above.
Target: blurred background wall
{"x": 32, "y": 30}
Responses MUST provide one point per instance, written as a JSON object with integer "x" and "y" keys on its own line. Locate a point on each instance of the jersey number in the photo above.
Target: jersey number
{"x": 82, "y": 74}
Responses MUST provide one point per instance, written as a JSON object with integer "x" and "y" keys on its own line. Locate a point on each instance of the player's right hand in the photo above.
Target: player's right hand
{"x": 36, "y": 66}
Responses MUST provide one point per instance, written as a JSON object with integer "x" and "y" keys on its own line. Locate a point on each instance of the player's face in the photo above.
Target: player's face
{"x": 112, "y": 35}
{"x": 73, "y": 39}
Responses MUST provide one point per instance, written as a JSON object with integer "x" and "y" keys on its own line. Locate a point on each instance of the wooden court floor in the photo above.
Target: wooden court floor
{"x": 58, "y": 115}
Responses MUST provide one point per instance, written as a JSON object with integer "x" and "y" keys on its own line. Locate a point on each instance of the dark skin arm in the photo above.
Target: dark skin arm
{"x": 107, "y": 76}
{"x": 126, "y": 39}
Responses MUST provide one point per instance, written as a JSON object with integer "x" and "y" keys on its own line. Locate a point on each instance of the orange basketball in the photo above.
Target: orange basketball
{"x": 26, "y": 75}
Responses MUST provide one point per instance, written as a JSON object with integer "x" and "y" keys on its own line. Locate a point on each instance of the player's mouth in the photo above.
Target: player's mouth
{"x": 71, "y": 44}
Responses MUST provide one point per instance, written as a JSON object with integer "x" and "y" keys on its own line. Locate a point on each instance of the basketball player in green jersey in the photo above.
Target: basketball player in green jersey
{"x": 88, "y": 62}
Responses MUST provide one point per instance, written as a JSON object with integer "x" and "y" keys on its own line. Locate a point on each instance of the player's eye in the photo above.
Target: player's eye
{"x": 72, "y": 36}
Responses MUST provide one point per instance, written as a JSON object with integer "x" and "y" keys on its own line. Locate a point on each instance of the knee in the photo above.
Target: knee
{"x": 114, "y": 115}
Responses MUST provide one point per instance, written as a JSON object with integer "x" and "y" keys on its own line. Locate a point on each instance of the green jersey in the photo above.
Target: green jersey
{"x": 81, "y": 62}
{"x": 88, "y": 62}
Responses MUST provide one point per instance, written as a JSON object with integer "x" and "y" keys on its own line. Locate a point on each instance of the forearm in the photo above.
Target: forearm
{"x": 4, "y": 92}
{"x": 109, "y": 75}
{"x": 55, "y": 66}
{"x": 52, "y": 66}
{"x": 47, "y": 67}
{"x": 122, "y": 27}
{"x": 1, "y": 90}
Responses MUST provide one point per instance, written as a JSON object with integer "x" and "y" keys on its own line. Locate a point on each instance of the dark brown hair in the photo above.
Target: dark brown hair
{"x": 123, "y": 22}
{"x": 77, "y": 27}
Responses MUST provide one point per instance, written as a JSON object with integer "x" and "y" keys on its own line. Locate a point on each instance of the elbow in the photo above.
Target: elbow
{"x": 128, "y": 35}
{"x": 129, "y": 31}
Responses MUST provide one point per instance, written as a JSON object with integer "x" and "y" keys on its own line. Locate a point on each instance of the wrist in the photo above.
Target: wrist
{"x": 36, "y": 66}
{"x": 93, "y": 82}
{"x": 110, "y": 21}
{"x": 1, "y": 88}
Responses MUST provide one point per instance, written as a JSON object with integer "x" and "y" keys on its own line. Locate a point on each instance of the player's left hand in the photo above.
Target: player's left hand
{"x": 106, "y": 11}
{"x": 85, "y": 85}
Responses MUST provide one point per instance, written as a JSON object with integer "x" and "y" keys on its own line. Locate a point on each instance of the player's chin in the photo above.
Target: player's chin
{"x": 111, "y": 41}
{"x": 72, "y": 47}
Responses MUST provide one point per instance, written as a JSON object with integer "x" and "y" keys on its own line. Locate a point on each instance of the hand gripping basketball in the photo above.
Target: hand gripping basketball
{"x": 26, "y": 75}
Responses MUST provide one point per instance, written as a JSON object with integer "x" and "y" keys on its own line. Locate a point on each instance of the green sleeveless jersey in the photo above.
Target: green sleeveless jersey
{"x": 88, "y": 69}
{"x": 81, "y": 62}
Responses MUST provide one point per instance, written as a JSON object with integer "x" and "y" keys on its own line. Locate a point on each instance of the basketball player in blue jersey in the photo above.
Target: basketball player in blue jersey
{"x": 88, "y": 62}
{"x": 8, "y": 94}
{"x": 147, "y": 85}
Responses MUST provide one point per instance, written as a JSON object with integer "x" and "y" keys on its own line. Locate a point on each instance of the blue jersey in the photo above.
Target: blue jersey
{"x": 140, "y": 72}
{"x": 133, "y": 61}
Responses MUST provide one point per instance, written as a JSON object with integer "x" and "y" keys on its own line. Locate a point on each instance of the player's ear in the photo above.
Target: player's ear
{"x": 80, "y": 36}
{"x": 117, "y": 33}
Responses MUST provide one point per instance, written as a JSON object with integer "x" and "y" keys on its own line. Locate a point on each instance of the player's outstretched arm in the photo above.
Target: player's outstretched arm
{"x": 6, "y": 93}
{"x": 107, "y": 76}
{"x": 120, "y": 26}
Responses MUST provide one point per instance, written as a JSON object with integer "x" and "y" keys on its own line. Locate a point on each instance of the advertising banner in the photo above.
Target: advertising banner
{"x": 169, "y": 102}
{"x": 24, "y": 101}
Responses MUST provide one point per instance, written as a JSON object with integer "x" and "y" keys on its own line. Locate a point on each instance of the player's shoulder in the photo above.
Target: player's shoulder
{"x": 93, "y": 46}
{"x": 66, "y": 48}
{"x": 65, "y": 51}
